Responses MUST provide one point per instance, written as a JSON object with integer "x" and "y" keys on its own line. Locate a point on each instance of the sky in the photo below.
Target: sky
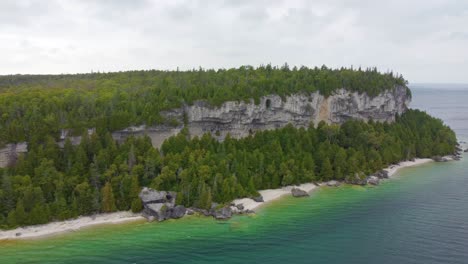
{"x": 425, "y": 40}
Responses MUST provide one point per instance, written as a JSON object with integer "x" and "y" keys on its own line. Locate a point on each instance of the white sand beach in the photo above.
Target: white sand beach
{"x": 68, "y": 225}
{"x": 404, "y": 164}
{"x": 272, "y": 194}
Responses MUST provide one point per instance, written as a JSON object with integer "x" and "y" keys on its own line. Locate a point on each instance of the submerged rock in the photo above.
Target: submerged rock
{"x": 440, "y": 159}
{"x": 296, "y": 192}
{"x": 223, "y": 213}
{"x": 466, "y": 150}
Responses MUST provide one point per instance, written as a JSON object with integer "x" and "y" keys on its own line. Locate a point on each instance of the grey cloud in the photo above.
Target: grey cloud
{"x": 106, "y": 35}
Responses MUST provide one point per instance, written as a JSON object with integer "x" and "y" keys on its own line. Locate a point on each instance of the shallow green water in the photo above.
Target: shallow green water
{"x": 419, "y": 217}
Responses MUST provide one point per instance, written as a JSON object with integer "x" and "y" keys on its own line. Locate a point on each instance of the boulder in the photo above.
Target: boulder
{"x": 466, "y": 150}
{"x": 190, "y": 211}
{"x": 204, "y": 212}
{"x": 158, "y": 211}
{"x": 374, "y": 180}
{"x": 258, "y": 199}
{"x": 222, "y": 213}
{"x": 149, "y": 196}
{"x": 333, "y": 183}
{"x": 178, "y": 211}
{"x": 296, "y": 192}
{"x": 240, "y": 207}
{"x": 382, "y": 174}
{"x": 356, "y": 180}
{"x": 160, "y": 205}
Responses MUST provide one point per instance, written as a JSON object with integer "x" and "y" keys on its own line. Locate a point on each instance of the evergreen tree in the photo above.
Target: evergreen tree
{"x": 327, "y": 170}
{"x": 108, "y": 201}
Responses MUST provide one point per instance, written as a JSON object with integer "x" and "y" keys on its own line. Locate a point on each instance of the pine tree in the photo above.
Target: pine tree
{"x": 7, "y": 197}
{"x": 204, "y": 201}
{"x": 108, "y": 201}
{"x": 20, "y": 214}
{"x": 327, "y": 170}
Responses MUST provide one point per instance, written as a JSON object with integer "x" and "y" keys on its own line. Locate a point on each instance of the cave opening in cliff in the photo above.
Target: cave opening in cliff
{"x": 268, "y": 104}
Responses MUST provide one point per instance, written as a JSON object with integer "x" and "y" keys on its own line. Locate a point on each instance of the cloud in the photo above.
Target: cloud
{"x": 424, "y": 40}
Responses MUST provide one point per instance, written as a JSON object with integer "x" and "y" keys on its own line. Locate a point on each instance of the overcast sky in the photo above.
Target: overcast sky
{"x": 425, "y": 40}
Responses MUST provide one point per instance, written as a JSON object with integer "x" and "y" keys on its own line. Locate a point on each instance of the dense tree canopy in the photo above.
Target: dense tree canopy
{"x": 99, "y": 175}
{"x": 33, "y": 107}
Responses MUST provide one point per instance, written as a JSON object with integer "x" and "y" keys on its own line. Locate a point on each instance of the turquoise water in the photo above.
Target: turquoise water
{"x": 419, "y": 217}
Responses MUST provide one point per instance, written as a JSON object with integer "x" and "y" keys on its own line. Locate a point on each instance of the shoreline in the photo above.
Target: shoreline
{"x": 54, "y": 228}
{"x": 274, "y": 194}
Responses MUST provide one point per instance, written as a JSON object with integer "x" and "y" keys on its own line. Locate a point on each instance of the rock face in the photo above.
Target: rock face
{"x": 10, "y": 153}
{"x": 241, "y": 119}
{"x": 296, "y": 192}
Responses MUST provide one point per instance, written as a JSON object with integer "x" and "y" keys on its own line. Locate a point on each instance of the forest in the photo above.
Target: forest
{"x": 34, "y": 107}
{"x": 100, "y": 175}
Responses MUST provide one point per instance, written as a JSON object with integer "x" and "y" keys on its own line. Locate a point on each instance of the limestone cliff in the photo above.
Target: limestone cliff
{"x": 240, "y": 119}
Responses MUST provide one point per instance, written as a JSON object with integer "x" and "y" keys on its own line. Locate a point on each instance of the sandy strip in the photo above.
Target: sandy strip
{"x": 272, "y": 194}
{"x": 404, "y": 164}
{"x": 69, "y": 225}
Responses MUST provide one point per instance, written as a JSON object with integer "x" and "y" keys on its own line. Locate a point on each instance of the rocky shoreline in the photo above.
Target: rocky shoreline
{"x": 160, "y": 205}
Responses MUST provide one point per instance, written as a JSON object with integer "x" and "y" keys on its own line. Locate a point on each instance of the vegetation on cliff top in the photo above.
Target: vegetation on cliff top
{"x": 33, "y": 107}
{"x": 99, "y": 175}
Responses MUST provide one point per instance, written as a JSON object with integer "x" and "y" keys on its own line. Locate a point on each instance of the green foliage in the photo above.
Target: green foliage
{"x": 108, "y": 201}
{"x": 100, "y": 175}
{"x": 35, "y": 107}
{"x": 137, "y": 205}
